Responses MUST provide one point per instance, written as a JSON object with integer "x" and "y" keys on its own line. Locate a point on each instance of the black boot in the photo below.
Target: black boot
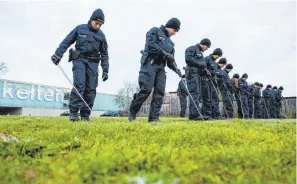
{"x": 73, "y": 117}
{"x": 132, "y": 117}
{"x": 154, "y": 121}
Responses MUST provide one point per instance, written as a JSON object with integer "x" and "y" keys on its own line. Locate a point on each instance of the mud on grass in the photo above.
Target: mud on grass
{"x": 112, "y": 150}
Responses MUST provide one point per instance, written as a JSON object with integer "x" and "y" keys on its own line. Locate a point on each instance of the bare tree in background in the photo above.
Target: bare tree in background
{"x": 125, "y": 95}
{"x": 3, "y": 68}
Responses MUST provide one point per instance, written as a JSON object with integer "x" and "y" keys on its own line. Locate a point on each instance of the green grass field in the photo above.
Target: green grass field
{"x": 112, "y": 150}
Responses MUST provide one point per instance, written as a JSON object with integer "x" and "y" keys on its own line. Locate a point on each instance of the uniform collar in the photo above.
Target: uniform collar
{"x": 90, "y": 27}
{"x": 164, "y": 30}
{"x": 199, "y": 47}
{"x": 211, "y": 56}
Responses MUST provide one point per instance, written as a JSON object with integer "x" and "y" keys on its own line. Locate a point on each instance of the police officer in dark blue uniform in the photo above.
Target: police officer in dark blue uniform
{"x": 266, "y": 93}
{"x": 208, "y": 91}
{"x": 196, "y": 68}
{"x": 217, "y": 81}
{"x": 90, "y": 49}
{"x": 273, "y": 102}
{"x": 261, "y": 113}
{"x": 251, "y": 99}
{"x": 243, "y": 87}
{"x": 225, "y": 87}
{"x": 182, "y": 93}
{"x": 158, "y": 52}
{"x": 278, "y": 99}
{"x": 257, "y": 98}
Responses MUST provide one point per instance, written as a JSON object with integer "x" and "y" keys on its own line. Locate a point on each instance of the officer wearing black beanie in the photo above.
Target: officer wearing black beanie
{"x": 256, "y": 83}
{"x": 229, "y": 66}
{"x": 257, "y": 100}
{"x": 158, "y": 52}
{"x": 225, "y": 86}
{"x": 266, "y": 93}
{"x": 205, "y": 42}
{"x": 222, "y": 61}
{"x": 236, "y": 76}
{"x": 279, "y": 99}
{"x": 196, "y": 68}
{"x": 244, "y": 76}
{"x": 90, "y": 50}
{"x": 243, "y": 106}
{"x": 210, "y": 99}
{"x": 173, "y": 23}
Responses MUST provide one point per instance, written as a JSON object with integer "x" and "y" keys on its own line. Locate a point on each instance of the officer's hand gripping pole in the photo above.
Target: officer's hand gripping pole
{"x": 242, "y": 107}
{"x": 216, "y": 90}
{"x": 229, "y": 96}
{"x": 192, "y": 99}
{"x": 219, "y": 100}
{"x": 74, "y": 87}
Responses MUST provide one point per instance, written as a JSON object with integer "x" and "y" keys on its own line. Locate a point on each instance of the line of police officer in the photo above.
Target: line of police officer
{"x": 205, "y": 77}
{"x": 216, "y": 86}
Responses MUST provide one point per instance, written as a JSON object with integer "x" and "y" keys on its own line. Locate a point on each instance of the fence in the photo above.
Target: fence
{"x": 171, "y": 106}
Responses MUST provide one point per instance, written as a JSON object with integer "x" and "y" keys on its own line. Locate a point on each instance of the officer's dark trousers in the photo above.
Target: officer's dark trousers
{"x": 242, "y": 103}
{"x": 279, "y": 105}
{"x": 215, "y": 102}
{"x": 151, "y": 76}
{"x": 257, "y": 108}
{"x": 273, "y": 109}
{"x": 183, "y": 104}
{"x": 267, "y": 108}
{"x": 251, "y": 107}
{"x": 85, "y": 80}
{"x": 227, "y": 102}
{"x": 194, "y": 86}
{"x": 210, "y": 100}
{"x": 262, "y": 107}
{"x": 206, "y": 94}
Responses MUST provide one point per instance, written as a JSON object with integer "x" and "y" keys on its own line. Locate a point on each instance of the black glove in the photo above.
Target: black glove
{"x": 56, "y": 59}
{"x": 179, "y": 73}
{"x": 104, "y": 76}
{"x": 170, "y": 57}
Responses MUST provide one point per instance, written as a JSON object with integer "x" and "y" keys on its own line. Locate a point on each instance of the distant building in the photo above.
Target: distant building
{"x": 19, "y": 98}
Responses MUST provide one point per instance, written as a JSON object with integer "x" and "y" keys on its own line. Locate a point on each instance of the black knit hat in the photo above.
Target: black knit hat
{"x": 173, "y": 23}
{"x": 281, "y": 88}
{"x": 206, "y": 42}
{"x": 229, "y": 66}
{"x": 268, "y": 86}
{"x": 261, "y": 85}
{"x": 217, "y": 52}
{"x": 274, "y": 87}
{"x": 98, "y": 15}
{"x": 256, "y": 84}
{"x": 222, "y": 61}
{"x": 245, "y": 75}
{"x": 236, "y": 75}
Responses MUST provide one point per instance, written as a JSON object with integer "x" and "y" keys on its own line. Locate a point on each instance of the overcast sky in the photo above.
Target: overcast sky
{"x": 258, "y": 38}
